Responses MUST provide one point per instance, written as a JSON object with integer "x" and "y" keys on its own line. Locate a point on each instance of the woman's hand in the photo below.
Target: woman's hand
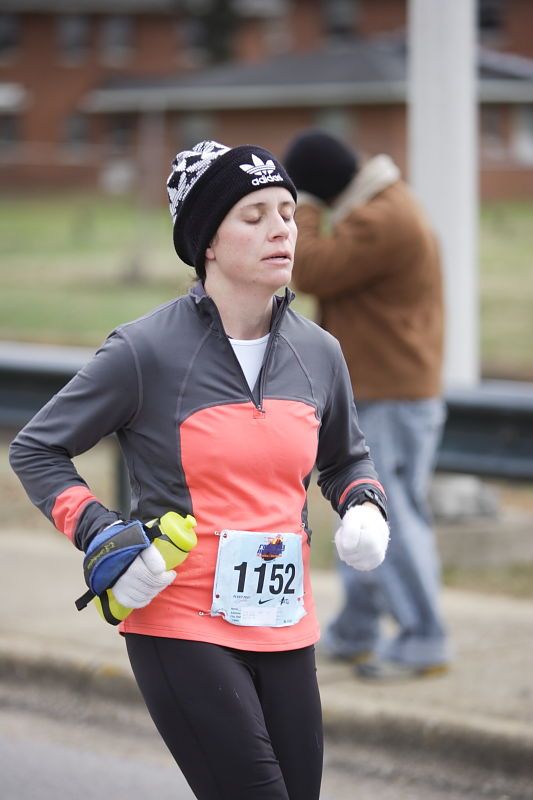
{"x": 143, "y": 580}
{"x": 362, "y": 537}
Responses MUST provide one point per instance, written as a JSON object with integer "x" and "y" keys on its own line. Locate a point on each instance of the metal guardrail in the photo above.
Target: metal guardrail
{"x": 488, "y": 431}
{"x": 30, "y": 374}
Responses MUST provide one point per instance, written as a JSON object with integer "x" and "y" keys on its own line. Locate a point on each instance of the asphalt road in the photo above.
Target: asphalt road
{"x": 56, "y": 743}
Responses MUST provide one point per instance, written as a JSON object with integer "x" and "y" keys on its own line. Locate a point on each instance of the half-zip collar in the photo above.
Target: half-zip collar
{"x": 210, "y": 314}
{"x": 208, "y": 310}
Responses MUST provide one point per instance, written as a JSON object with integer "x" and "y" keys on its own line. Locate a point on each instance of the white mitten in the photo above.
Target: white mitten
{"x": 143, "y": 580}
{"x": 363, "y": 537}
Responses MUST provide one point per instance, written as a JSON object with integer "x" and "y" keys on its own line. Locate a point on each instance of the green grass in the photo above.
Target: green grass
{"x": 77, "y": 314}
{"x": 506, "y": 288}
{"x": 73, "y": 266}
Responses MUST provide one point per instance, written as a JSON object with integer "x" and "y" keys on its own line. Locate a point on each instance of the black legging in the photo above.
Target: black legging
{"x": 240, "y": 725}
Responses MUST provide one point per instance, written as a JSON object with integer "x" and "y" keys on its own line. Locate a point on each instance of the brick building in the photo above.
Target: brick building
{"x": 103, "y": 93}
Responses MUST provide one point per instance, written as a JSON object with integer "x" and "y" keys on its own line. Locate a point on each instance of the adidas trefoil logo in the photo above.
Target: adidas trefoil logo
{"x": 259, "y": 167}
{"x": 263, "y": 169}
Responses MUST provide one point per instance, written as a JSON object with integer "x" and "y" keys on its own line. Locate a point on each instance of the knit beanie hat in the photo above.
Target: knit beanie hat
{"x": 206, "y": 182}
{"x": 320, "y": 164}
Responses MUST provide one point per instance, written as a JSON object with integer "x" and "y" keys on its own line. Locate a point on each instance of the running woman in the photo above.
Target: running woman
{"x": 223, "y": 401}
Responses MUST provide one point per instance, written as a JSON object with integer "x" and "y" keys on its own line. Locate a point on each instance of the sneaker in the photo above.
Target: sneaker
{"x": 335, "y": 648}
{"x": 376, "y": 670}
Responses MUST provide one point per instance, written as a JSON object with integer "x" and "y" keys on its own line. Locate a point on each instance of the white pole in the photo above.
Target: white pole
{"x": 442, "y": 135}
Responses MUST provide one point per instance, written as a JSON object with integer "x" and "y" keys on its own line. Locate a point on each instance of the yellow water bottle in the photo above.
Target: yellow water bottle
{"x": 175, "y": 540}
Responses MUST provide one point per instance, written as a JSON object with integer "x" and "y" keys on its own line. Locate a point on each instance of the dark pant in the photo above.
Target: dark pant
{"x": 241, "y": 725}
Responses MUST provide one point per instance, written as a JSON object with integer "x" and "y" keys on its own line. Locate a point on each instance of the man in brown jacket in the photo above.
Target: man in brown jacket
{"x": 366, "y": 252}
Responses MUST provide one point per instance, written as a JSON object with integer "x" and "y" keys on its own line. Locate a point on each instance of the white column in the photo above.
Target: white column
{"x": 442, "y": 152}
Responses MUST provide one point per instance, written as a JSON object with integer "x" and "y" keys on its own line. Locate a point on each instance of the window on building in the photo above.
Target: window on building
{"x": 277, "y": 35}
{"x": 76, "y": 135}
{"x": 120, "y": 134}
{"x": 260, "y": 8}
{"x": 117, "y": 39}
{"x": 490, "y": 19}
{"x": 493, "y": 133}
{"x": 340, "y": 18}
{"x": 192, "y": 128}
{"x": 194, "y": 40}
{"x": 9, "y": 34}
{"x": 9, "y": 131}
{"x": 208, "y": 27}
{"x": 523, "y": 134}
{"x": 73, "y": 36}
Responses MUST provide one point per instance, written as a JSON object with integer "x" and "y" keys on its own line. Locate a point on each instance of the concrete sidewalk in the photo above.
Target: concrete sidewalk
{"x": 482, "y": 711}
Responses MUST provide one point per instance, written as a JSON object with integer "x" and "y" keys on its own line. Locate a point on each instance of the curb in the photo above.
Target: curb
{"x": 500, "y": 746}
{"x": 104, "y": 679}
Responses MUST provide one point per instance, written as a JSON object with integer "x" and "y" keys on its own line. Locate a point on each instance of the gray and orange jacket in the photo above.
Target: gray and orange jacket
{"x": 197, "y": 440}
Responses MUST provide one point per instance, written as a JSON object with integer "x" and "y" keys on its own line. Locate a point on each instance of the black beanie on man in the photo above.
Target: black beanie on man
{"x": 206, "y": 182}
{"x": 320, "y": 164}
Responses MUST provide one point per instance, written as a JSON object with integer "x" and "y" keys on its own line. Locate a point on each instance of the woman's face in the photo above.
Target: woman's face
{"x": 254, "y": 244}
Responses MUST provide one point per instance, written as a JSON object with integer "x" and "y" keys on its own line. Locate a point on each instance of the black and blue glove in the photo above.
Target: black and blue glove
{"x": 127, "y": 564}
{"x": 122, "y": 560}
{"x": 111, "y": 552}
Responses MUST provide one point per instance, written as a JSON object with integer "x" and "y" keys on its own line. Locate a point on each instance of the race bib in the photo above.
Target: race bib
{"x": 259, "y": 579}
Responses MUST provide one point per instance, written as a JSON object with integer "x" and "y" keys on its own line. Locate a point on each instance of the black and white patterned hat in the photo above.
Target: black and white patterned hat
{"x": 206, "y": 182}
